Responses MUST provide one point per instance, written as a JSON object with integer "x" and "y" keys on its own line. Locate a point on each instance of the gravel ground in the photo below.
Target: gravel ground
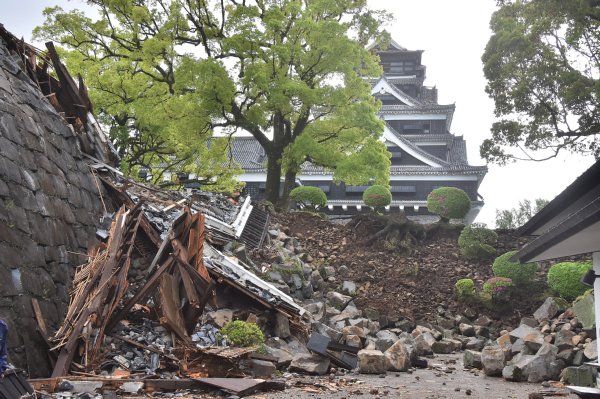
{"x": 445, "y": 379}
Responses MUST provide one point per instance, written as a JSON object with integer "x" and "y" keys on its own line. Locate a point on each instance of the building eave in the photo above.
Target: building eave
{"x": 577, "y": 234}
{"x": 560, "y": 206}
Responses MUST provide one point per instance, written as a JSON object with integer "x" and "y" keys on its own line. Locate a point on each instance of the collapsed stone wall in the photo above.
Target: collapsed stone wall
{"x": 50, "y": 208}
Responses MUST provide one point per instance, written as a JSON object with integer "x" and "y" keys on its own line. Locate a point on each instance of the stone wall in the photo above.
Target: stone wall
{"x": 50, "y": 208}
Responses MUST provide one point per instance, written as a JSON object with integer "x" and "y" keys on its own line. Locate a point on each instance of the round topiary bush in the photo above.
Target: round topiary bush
{"x": 241, "y": 333}
{"x": 377, "y": 196}
{"x": 520, "y": 273}
{"x": 565, "y": 279}
{"x": 465, "y": 288}
{"x": 449, "y": 203}
{"x": 477, "y": 242}
{"x": 309, "y": 197}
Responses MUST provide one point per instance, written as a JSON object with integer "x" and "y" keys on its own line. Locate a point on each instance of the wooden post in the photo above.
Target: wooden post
{"x": 596, "y": 259}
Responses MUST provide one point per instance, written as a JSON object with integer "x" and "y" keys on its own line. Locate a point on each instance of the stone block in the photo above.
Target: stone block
{"x": 584, "y": 310}
{"x": 550, "y": 308}
{"x": 472, "y": 359}
{"x": 371, "y": 362}
{"x": 582, "y": 376}
{"x": 493, "y": 360}
{"x": 398, "y": 357}
{"x": 310, "y": 364}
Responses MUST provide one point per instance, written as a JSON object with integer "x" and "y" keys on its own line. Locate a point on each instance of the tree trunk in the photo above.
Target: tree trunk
{"x": 273, "y": 177}
{"x": 288, "y": 186}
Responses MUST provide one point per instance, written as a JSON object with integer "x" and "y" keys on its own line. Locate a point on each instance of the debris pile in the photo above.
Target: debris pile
{"x": 137, "y": 306}
{"x": 555, "y": 343}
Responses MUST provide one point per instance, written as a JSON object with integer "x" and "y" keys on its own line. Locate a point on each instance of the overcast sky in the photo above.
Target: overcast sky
{"x": 453, "y": 35}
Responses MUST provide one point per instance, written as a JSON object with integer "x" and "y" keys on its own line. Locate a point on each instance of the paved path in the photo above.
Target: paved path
{"x": 446, "y": 379}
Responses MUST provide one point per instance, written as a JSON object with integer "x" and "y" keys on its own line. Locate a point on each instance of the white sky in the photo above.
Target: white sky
{"x": 453, "y": 35}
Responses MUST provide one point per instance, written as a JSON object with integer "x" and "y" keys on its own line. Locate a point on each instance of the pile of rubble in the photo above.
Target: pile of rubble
{"x": 347, "y": 337}
{"x": 556, "y": 343}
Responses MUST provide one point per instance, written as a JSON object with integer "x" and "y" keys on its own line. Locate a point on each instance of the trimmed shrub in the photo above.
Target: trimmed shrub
{"x": 498, "y": 289}
{"x": 477, "y": 242}
{"x": 240, "y": 333}
{"x": 449, "y": 203}
{"x": 377, "y": 196}
{"x": 309, "y": 197}
{"x": 519, "y": 273}
{"x": 565, "y": 279}
{"x": 465, "y": 288}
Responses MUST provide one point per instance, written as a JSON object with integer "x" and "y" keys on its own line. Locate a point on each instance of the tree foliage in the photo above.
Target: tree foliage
{"x": 542, "y": 64}
{"x": 166, "y": 74}
{"x": 517, "y": 217}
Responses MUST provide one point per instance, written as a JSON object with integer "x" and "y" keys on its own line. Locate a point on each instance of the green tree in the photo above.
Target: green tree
{"x": 290, "y": 72}
{"x": 542, "y": 64}
{"x": 518, "y": 216}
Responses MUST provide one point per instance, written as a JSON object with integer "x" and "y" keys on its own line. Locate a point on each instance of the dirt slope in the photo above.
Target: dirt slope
{"x": 395, "y": 285}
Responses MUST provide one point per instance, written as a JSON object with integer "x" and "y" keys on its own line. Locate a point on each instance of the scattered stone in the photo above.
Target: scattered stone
{"x": 262, "y": 368}
{"x": 355, "y": 330}
{"x": 282, "y": 326}
{"x": 284, "y": 358}
{"x": 466, "y": 329}
{"x": 550, "y": 308}
{"x": 584, "y": 310}
{"x": 533, "y": 341}
{"x": 472, "y": 359}
{"x": 580, "y": 376}
{"x": 220, "y": 317}
{"x": 493, "y": 360}
{"x": 444, "y": 346}
{"x": 349, "y": 288}
{"x": 309, "y": 364}
{"x": 483, "y": 321}
{"x": 591, "y": 350}
{"x": 398, "y": 357}
{"x": 354, "y": 341}
{"x": 475, "y": 343}
{"x": 423, "y": 343}
{"x": 385, "y": 339}
{"x": 528, "y": 321}
{"x": 521, "y": 332}
{"x": 564, "y": 339}
{"x": 338, "y": 300}
{"x": 371, "y": 361}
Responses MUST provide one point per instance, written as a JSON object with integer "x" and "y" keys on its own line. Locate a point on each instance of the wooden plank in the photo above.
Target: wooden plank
{"x": 190, "y": 289}
{"x": 39, "y": 318}
{"x": 68, "y": 350}
{"x": 237, "y": 386}
{"x": 169, "y": 305}
{"x": 68, "y": 86}
{"x": 140, "y": 295}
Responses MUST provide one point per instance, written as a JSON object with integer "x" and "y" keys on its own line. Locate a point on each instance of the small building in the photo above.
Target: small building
{"x": 569, "y": 225}
{"x": 425, "y": 154}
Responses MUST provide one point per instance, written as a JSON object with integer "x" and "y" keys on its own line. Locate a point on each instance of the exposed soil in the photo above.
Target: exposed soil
{"x": 399, "y": 285}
